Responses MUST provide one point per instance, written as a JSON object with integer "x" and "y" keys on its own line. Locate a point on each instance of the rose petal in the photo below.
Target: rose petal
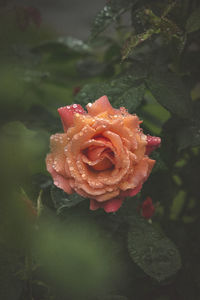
{"x": 153, "y": 142}
{"x": 94, "y": 205}
{"x": 100, "y": 105}
{"x": 112, "y": 205}
{"x": 109, "y": 206}
{"x": 67, "y": 114}
{"x": 59, "y": 180}
{"x": 131, "y": 192}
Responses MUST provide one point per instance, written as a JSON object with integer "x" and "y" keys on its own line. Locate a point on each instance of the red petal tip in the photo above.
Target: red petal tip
{"x": 153, "y": 142}
{"x": 67, "y": 114}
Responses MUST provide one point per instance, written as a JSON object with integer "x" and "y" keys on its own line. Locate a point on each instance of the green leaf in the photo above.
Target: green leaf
{"x": 123, "y": 91}
{"x": 109, "y": 14}
{"x": 133, "y": 41}
{"x": 193, "y": 22}
{"x": 170, "y": 92}
{"x": 62, "y": 200}
{"x": 151, "y": 250}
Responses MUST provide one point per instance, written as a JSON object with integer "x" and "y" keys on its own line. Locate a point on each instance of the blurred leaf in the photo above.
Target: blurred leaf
{"x": 188, "y": 132}
{"x": 109, "y": 14}
{"x": 193, "y": 22}
{"x": 90, "y": 67}
{"x": 64, "y": 44}
{"x": 23, "y": 150}
{"x": 74, "y": 44}
{"x": 170, "y": 92}
{"x": 160, "y": 165}
{"x": 151, "y": 250}
{"x": 74, "y": 255}
{"x": 10, "y": 285}
{"x": 62, "y": 200}
{"x": 188, "y": 135}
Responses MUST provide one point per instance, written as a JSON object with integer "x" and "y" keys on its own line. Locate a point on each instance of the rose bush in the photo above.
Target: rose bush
{"x": 102, "y": 155}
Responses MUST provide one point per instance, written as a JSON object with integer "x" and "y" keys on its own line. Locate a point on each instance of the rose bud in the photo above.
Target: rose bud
{"x": 147, "y": 209}
{"x": 102, "y": 154}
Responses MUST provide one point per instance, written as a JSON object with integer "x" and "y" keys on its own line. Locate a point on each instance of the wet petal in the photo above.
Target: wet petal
{"x": 67, "y": 114}
{"x": 112, "y": 205}
{"x": 153, "y": 142}
{"x": 99, "y": 106}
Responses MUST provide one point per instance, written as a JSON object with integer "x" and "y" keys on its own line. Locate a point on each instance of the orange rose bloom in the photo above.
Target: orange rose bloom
{"x": 101, "y": 155}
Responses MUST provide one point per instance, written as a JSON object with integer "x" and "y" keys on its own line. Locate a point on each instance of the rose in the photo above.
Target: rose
{"x": 102, "y": 154}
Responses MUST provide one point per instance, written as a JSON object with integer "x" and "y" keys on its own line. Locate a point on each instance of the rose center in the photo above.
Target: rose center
{"x": 101, "y": 157}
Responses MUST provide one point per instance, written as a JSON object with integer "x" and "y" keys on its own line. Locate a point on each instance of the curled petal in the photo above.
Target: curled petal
{"x": 109, "y": 206}
{"x": 67, "y": 114}
{"x": 99, "y": 106}
{"x": 112, "y": 205}
{"x": 94, "y": 205}
{"x": 132, "y": 192}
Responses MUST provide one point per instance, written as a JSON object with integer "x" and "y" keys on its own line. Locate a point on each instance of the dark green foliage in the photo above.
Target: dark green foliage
{"x": 10, "y": 284}
{"x": 109, "y": 14}
{"x": 122, "y": 91}
{"x": 193, "y": 22}
{"x": 151, "y": 250}
{"x": 170, "y": 92}
{"x": 61, "y": 200}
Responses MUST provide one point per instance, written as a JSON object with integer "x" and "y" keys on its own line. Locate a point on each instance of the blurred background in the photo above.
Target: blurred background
{"x": 68, "y": 17}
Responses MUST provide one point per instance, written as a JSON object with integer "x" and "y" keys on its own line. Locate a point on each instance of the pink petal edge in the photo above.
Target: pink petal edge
{"x": 132, "y": 192}
{"x": 67, "y": 114}
{"x": 109, "y": 206}
{"x": 153, "y": 142}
